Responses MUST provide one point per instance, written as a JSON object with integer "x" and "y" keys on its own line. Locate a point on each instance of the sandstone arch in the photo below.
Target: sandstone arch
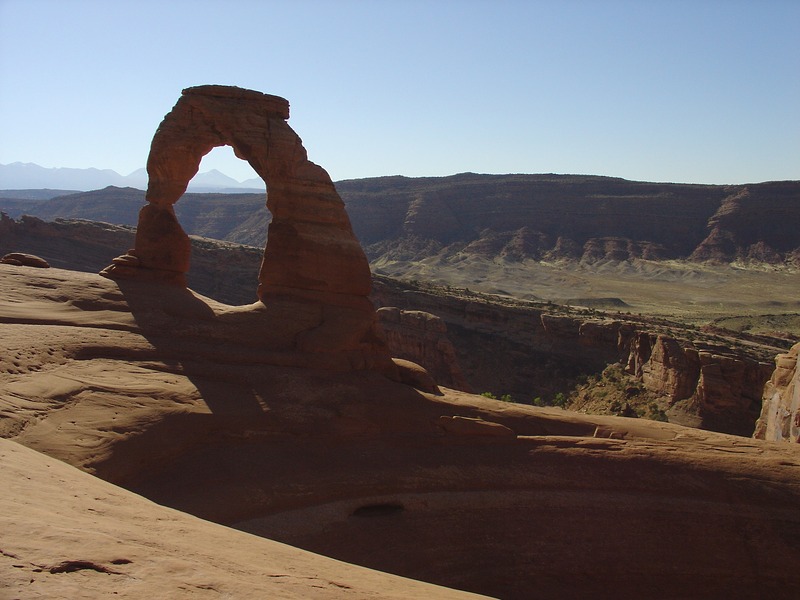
{"x": 314, "y": 279}
{"x": 311, "y": 244}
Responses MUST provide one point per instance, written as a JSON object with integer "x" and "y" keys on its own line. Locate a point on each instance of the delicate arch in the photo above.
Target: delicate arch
{"x": 311, "y": 245}
{"x": 315, "y": 278}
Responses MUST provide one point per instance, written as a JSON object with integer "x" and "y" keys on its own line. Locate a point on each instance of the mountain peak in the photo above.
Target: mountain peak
{"x": 19, "y": 175}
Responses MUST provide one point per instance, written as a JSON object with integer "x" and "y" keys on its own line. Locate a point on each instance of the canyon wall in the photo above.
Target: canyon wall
{"x": 422, "y": 338}
{"x": 530, "y": 351}
{"x": 506, "y": 349}
{"x": 575, "y": 217}
{"x": 512, "y": 217}
{"x": 780, "y": 412}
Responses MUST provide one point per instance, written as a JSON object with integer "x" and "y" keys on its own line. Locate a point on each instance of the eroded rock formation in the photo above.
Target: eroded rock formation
{"x": 422, "y": 338}
{"x": 314, "y": 278}
{"x": 780, "y": 412}
{"x": 723, "y": 384}
{"x": 586, "y": 218}
{"x": 497, "y": 498}
{"x": 24, "y": 260}
{"x": 528, "y": 352}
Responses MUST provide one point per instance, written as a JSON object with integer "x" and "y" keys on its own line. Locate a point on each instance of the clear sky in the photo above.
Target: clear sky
{"x": 704, "y": 91}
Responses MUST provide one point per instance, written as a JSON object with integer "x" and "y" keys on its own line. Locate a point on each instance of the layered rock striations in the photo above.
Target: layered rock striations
{"x": 172, "y": 396}
{"x": 512, "y": 217}
{"x": 754, "y": 223}
{"x": 314, "y": 278}
{"x": 421, "y": 337}
{"x": 587, "y": 218}
{"x": 494, "y": 347}
{"x": 725, "y": 386}
{"x": 780, "y": 412}
{"x": 529, "y": 351}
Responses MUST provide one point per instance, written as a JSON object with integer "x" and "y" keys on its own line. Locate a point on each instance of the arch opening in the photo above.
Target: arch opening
{"x": 211, "y": 208}
{"x": 221, "y": 171}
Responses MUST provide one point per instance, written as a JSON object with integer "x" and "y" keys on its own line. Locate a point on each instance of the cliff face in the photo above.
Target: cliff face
{"x": 422, "y": 338}
{"x": 582, "y": 218}
{"x": 524, "y": 351}
{"x": 754, "y": 223}
{"x": 724, "y": 385}
{"x": 551, "y": 206}
{"x": 780, "y": 413}
{"x": 534, "y": 351}
{"x": 512, "y": 217}
{"x": 226, "y": 272}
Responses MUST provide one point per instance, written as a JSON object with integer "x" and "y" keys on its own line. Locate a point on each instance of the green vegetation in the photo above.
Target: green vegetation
{"x": 503, "y": 398}
{"x": 617, "y": 392}
{"x": 559, "y": 400}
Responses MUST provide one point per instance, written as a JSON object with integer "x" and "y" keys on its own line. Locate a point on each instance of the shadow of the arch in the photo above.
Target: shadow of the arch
{"x": 234, "y": 355}
{"x": 190, "y": 339}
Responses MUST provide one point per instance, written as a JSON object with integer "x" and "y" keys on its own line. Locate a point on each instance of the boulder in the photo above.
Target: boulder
{"x": 24, "y": 260}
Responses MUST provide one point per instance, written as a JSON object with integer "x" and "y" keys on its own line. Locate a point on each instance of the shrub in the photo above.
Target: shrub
{"x": 659, "y": 415}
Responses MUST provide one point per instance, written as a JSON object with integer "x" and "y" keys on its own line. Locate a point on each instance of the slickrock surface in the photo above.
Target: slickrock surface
{"x": 66, "y": 534}
{"x": 178, "y": 398}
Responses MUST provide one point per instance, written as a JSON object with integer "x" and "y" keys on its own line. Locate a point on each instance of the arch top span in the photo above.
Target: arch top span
{"x": 205, "y": 117}
{"x": 312, "y": 260}
{"x": 274, "y": 105}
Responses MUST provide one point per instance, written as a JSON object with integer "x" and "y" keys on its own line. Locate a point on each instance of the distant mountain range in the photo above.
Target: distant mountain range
{"x": 27, "y": 176}
{"x": 505, "y": 218}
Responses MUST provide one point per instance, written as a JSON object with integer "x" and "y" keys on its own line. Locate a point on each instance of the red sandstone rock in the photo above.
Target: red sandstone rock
{"x": 421, "y": 337}
{"x": 311, "y": 244}
{"x": 474, "y": 427}
{"x": 416, "y": 376}
{"x": 725, "y": 386}
{"x": 24, "y": 260}
{"x": 669, "y": 369}
{"x": 496, "y": 343}
{"x": 780, "y": 410}
{"x": 315, "y": 277}
{"x": 161, "y": 243}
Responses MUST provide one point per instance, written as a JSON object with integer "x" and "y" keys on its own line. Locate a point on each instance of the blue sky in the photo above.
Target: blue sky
{"x": 687, "y": 91}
